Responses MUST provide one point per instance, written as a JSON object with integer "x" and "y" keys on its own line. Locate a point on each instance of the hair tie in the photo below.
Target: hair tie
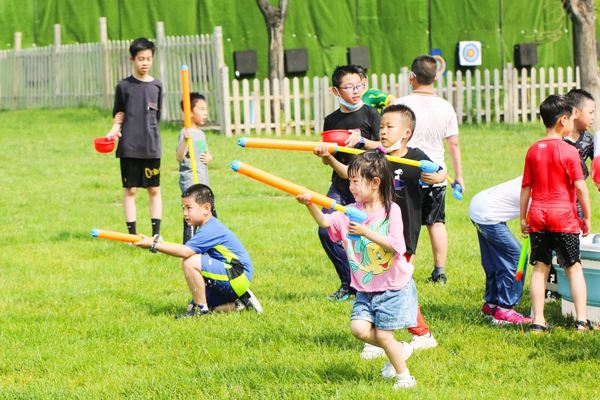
{"x": 381, "y": 150}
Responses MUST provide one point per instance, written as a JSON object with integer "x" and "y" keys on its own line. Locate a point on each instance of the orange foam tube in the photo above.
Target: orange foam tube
{"x": 112, "y": 235}
{"x": 281, "y": 184}
{"x": 276, "y": 144}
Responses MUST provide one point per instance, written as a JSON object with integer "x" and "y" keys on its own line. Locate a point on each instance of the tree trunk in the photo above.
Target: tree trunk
{"x": 274, "y": 19}
{"x": 583, "y": 16}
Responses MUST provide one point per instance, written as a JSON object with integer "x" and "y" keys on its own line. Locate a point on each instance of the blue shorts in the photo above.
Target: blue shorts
{"x": 218, "y": 287}
{"x": 389, "y": 310}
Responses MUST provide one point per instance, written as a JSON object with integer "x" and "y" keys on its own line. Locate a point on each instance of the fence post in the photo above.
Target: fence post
{"x": 105, "y": 64}
{"x": 56, "y": 62}
{"x": 222, "y": 81}
{"x": 162, "y": 69}
{"x": 15, "y": 83}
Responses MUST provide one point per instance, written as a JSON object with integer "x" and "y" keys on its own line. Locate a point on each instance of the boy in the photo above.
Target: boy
{"x": 553, "y": 178}
{"x": 348, "y": 85}
{"x": 436, "y": 123}
{"x": 397, "y": 124}
{"x": 489, "y": 211}
{"x": 136, "y": 110}
{"x": 584, "y": 108}
{"x": 199, "y": 108}
{"x": 216, "y": 266}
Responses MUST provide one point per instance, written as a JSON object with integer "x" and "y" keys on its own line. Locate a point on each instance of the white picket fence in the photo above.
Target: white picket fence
{"x": 86, "y": 74}
{"x": 299, "y": 105}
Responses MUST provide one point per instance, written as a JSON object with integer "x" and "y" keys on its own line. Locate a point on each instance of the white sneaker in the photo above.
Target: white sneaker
{"x": 405, "y": 383}
{"x": 423, "y": 342}
{"x": 371, "y": 352}
{"x": 388, "y": 371}
{"x": 251, "y": 302}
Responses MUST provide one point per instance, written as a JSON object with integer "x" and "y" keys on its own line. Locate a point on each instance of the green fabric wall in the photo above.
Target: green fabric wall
{"x": 394, "y": 30}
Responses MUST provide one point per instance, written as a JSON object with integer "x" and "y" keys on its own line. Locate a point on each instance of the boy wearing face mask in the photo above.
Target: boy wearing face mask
{"x": 363, "y": 121}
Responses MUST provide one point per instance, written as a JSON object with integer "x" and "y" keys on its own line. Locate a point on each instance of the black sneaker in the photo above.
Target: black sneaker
{"x": 193, "y": 310}
{"x": 250, "y": 302}
{"x": 342, "y": 294}
{"x": 437, "y": 278}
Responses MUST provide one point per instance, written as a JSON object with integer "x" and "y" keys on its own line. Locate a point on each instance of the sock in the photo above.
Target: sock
{"x": 437, "y": 271}
{"x": 131, "y": 227}
{"x": 155, "y": 226}
{"x": 404, "y": 375}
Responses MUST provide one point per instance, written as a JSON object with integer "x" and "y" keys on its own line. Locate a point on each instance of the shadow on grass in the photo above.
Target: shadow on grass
{"x": 64, "y": 236}
{"x": 339, "y": 372}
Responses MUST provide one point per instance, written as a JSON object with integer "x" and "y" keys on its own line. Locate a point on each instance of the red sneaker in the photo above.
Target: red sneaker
{"x": 510, "y": 317}
{"x": 488, "y": 310}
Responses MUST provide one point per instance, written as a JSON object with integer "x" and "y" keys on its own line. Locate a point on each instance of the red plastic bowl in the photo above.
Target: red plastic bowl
{"x": 338, "y": 136}
{"x": 104, "y": 145}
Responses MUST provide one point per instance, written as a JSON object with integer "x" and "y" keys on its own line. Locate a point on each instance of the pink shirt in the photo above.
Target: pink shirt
{"x": 373, "y": 268}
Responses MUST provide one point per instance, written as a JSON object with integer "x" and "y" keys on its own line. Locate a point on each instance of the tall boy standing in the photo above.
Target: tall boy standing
{"x": 348, "y": 86}
{"x": 436, "y": 123}
{"x": 136, "y": 114}
{"x": 553, "y": 179}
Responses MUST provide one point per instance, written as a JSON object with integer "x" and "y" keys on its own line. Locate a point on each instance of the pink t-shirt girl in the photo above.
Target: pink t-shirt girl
{"x": 373, "y": 268}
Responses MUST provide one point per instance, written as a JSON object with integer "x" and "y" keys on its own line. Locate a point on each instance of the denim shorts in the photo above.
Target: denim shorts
{"x": 389, "y": 310}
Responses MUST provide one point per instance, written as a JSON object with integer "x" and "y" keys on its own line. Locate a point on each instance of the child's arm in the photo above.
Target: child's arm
{"x": 523, "y": 203}
{"x": 328, "y": 159}
{"x": 584, "y": 200}
{"x": 115, "y": 131}
{"x": 172, "y": 249}
{"x": 317, "y": 214}
{"x": 363, "y": 230}
{"x": 182, "y": 147}
{"x": 454, "y": 150}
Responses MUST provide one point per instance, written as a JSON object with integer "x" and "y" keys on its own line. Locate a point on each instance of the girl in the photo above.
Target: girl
{"x": 386, "y": 297}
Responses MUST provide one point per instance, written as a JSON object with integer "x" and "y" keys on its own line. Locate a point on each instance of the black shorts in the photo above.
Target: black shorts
{"x": 140, "y": 172}
{"x": 434, "y": 205}
{"x": 566, "y": 246}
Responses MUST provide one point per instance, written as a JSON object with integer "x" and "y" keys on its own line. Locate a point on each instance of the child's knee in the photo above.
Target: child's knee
{"x": 359, "y": 330}
{"x": 154, "y": 190}
{"x": 130, "y": 191}
{"x": 192, "y": 263}
{"x": 383, "y": 336}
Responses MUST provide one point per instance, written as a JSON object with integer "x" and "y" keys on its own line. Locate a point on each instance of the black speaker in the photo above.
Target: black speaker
{"x": 295, "y": 61}
{"x": 525, "y": 55}
{"x": 358, "y": 56}
{"x": 245, "y": 63}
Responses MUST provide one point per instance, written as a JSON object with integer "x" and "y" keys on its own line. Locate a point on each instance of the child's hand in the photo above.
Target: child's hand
{"x": 304, "y": 198}
{"x": 322, "y": 150}
{"x": 186, "y": 134}
{"x": 205, "y": 158}
{"x": 432, "y": 178}
{"x": 145, "y": 243}
{"x": 356, "y": 228}
{"x": 354, "y": 138}
{"x": 586, "y": 226}
{"x": 524, "y": 227}
{"x": 113, "y": 134}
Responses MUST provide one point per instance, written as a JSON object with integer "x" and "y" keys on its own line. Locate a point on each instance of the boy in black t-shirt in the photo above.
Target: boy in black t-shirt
{"x": 363, "y": 121}
{"x": 136, "y": 114}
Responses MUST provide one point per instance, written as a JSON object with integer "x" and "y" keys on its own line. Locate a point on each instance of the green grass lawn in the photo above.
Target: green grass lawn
{"x": 85, "y": 318}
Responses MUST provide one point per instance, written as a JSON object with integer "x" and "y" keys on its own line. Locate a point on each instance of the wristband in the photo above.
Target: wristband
{"x": 154, "y": 243}
{"x": 361, "y": 143}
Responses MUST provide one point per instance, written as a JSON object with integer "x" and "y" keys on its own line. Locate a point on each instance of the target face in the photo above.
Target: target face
{"x": 469, "y": 53}
{"x": 440, "y": 64}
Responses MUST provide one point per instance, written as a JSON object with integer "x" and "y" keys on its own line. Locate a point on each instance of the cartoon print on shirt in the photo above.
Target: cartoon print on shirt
{"x": 374, "y": 259}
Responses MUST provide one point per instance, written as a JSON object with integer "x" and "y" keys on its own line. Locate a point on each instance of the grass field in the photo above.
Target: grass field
{"x": 84, "y": 318}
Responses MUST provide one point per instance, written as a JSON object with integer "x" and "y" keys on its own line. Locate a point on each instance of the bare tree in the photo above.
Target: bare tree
{"x": 275, "y": 19}
{"x": 583, "y": 16}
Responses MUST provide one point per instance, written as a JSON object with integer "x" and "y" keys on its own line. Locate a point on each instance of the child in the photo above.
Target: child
{"x": 584, "y": 108}
{"x": 363, "y": 121}
{"x": 397, "y": 124}
{"x": 199, "y": 108}
{"x": 136, "y": 110}
{"x": 552, "y": 179}
{"x": 436, "y": 123}
{"x": 216, "y": 266}
{"x": 386, "y": 297}
{"x": 489, "y": 211}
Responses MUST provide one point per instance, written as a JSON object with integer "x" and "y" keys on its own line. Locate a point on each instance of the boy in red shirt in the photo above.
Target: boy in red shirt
{"x": 553, "y": 179}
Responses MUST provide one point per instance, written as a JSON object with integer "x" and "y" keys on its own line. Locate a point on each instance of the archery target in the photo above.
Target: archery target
{"x": 469, "y": 53}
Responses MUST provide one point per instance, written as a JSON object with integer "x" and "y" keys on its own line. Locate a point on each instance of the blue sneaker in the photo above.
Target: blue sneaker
{"x": 342, "y": 294}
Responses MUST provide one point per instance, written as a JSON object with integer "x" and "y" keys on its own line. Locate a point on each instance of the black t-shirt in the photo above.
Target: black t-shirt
{"x": 141, "y": 102}
{"x": 409, "y": 196}
{"x": 585, "y": 147}
{"x": 367, "y": 120}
